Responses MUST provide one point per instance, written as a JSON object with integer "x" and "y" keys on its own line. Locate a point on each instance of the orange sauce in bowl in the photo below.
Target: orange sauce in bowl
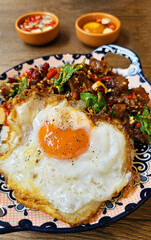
{"x": 99, "y": 26}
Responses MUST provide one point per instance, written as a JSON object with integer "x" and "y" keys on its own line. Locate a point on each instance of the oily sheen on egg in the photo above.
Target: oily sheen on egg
{"x": 66, "y": 179}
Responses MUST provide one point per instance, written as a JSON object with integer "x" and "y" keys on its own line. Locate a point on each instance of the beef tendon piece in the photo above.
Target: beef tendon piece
{"x": 100, "y": 66}
{"x": 120, "y": 85}
{"x": 6, "y": 90}
{"x": 141, "y": 95}
{"x": 79, "y": 84}
{"x": 119, "y": 109}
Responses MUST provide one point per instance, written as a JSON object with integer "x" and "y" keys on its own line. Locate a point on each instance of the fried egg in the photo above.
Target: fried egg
{"x": 57, "y": 160}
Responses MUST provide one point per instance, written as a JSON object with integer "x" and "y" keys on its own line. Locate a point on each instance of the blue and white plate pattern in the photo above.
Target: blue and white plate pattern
{"x": 16, "y": 217}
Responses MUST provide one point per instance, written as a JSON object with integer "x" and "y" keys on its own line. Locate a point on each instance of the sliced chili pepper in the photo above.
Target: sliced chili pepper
{"x": 57, "y": 74}
{"x": 38, "y": 18}
{"x": 12, "y": 80}
{"x": 7, "y": 112}
{"x": 51, "y": 73}
{"x": 99, "y": 20}
{"x": 112, "y": 26}
{"x": 105, "y": 78}
{"x": 129, "y": 97}
{"x": 6, "y": 109}
{"x": 26, "y": 22}
{"x": 32, "y": 18}
{"x": 29, "y": 80}
{"x": 53, "y": 22}
{"x": 133, "y": 96}
{"x": 25, "y": 29}
{"x": 138, "y": 124}
{"x": 5, "y": 104}
{"x": 110, "y": 110}
{"x": 95, "y": 79}
{"x": 34, "y": 27}
{"x": 145, "y": 136}
{"x": 48, "y": 24}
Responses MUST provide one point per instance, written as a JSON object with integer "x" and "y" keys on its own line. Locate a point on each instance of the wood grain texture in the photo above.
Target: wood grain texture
{"x": 135, "y": 34}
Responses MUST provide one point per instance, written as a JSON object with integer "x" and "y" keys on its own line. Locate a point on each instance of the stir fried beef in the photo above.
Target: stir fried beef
{"x": 102, "y": 91}
{"x": 101, "y": 67}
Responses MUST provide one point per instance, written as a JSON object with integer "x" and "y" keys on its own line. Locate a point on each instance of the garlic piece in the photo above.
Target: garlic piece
{"x": 105, "y": 21}
{"x": 107, "y": 30}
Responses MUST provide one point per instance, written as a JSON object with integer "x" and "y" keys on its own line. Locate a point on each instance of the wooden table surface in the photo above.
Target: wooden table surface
{"x": 135, "y": 34}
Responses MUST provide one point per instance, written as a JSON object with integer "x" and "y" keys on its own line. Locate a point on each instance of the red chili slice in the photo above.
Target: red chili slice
{"x": 53, "y": 22}
{"x": 99, "y": 20}
{"x": 38, "y": 18}
{"x": 57, "y": 74}
{"x": 51, "y": 73}
{"x": 32, "y": 18}
{"x": 95, "y": 79}
{"x": 34, "y": 27}
{"x": 133, "y": 96}
{"x": 7, "y": 112}
{"x": 138, "y": 124}
{"x": 6, "y": 109}
{"x": 48, "y": 24}
{"x": 12, "y": 80}
{"x": 112, "y": 26}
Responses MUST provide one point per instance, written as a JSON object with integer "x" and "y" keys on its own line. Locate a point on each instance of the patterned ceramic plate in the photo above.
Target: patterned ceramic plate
{"x": 16, "y": 217}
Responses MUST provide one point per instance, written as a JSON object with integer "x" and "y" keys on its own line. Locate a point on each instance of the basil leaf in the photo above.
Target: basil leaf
{"x": 23, "y": 85}
{"x": 97, "y": 103}
{"x": 65, "y": 75}
{"x": 145, "y": 120}
{"x": 14, "y": 90}
{"x": 19, "y": 87}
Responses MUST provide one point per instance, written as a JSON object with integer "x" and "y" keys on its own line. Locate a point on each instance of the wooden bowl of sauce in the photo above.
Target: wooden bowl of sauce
{"x": 96, "y": 29}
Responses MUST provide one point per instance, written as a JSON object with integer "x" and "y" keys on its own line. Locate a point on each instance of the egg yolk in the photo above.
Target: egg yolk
{"x": 63, "y": 143}
{"x": 93, "y": 27}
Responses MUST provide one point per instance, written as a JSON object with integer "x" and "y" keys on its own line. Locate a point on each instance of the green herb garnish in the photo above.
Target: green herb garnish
{"x": 19, "y": 87}
{"x": 145, "y": 120}
{"x": 97, "y": 103}
{"x": 66, "y": 72}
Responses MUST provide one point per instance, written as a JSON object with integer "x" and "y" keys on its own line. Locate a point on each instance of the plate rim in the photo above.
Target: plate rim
{"x": 106, "y": 220}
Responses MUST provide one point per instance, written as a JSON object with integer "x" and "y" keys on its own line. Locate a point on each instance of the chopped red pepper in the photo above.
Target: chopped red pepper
{"x": 34, "y": 27}
{"x": 133, "y": 96}
{"x": 53, "y": 22}
{"x": 7, "y": 112}
{"x": 12, "y": 80}
{"x": 138, "y": 124}
{"x": 6, "y": 124}
{"x": 25, "y": 29}
{"x": 99, "y": 20}
{"x": 6, "y": 109}
{"x": 32, "y": 18}
{"x": 145, "y": 136}
{"x": 47, "y": 24}
{"x": 5, "y": 104}
{"x": 38, "y": 18}
{"x": 51, "y": 73}
{"x": 95, "y": 79}
{"x": 112, "y": 26}
{"x": 29, "y": 80}
{"x": 57, "y": 74}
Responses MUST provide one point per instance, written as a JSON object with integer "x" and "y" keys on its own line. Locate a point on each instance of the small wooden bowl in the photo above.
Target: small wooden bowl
{"x": 40, "y": 38}
{"x": 96, "y": 39}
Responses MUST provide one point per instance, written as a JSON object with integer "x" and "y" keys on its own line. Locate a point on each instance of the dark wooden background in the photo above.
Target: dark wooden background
{"x": 135, "y": 34}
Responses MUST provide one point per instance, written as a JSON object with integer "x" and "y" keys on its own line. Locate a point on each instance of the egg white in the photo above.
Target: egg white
{"x": 67, "y": 184}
